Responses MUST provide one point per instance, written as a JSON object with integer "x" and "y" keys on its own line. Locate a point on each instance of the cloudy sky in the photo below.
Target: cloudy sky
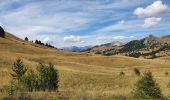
{"x": 65, "y": 23}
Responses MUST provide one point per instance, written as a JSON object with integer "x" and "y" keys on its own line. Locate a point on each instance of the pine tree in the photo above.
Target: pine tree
{"x": 19, "y": 70}
{"x": 26, "y": 38}
{"x": 36, "y": 41}
{"x": 47, "y": 77}
{"x": 147, "y": 88}
{"x": 52, "y": 78}
{"x": 42, "y": 76}
{"x": 2, "y": 32}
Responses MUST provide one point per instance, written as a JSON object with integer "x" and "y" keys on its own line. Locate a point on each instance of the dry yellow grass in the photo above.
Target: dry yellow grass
{"x": 81, "y": 75}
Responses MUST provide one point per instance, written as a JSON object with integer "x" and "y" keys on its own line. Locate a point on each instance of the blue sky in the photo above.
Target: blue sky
{"x": 85, "y": 22}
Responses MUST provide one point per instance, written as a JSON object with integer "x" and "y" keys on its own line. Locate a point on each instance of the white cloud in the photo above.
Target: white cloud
{"x": 73, "y": 39}
{"x": 120, "y": 25}
{"x": 121, "y": 22}
{"x": 122, "y": 37}
{"x": 52, "y": 22}
{"x": 46, "y": 40}
{"x": 119, "y": 37}
{"x": 155, "y": 9}
{"x": 151, "y": 22}
{"x": 33, "y": 18}
{"x": 30, "y": 17}
{"x": 102, "y": 37}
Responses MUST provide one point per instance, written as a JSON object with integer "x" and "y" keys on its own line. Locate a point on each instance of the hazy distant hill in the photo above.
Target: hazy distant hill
{"x": 75, "y": 48}
{"x": 105, "y": 47}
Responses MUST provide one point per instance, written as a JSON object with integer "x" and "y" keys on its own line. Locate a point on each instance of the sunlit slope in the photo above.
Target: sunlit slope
{"x": 12, "y": 48}
{"x": 82, "y": 72}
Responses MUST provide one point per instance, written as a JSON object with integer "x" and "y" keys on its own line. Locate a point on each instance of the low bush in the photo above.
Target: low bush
{"x": 136, "y": 71}
{"x": 166, "y": 74}
{"x": 122, "y": 74}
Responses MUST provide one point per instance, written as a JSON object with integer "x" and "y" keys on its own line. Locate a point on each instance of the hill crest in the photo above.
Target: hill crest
{"x": 149, "y": 47}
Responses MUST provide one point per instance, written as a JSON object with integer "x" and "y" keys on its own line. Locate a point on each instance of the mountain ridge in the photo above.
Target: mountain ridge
{"x": 148, "y": 47}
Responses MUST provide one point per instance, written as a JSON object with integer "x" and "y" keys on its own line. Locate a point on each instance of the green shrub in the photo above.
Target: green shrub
{"x": 52, "y": 78}
{"x": 147, "y": 88}
{"x": 166, "y": 74}
{"x": 9, "y": 90}
{"x": 31, "y": 81}
{"x": 47, "y": 77}
{"x": 168, "y": 85}
{"x": 98, "y": 52}
{"x": 136, "y": 71}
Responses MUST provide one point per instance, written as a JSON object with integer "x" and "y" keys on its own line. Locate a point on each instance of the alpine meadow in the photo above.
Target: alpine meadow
{"x": 84, "y": 50}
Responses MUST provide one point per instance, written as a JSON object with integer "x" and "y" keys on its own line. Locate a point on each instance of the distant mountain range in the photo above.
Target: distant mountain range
{"x": 75, "y": 48}
{"x": 86, "y": 48}
{"x": 149, "y": 47}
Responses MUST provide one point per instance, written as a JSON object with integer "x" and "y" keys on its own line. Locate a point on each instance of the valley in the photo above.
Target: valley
{"x": 82, "y": 75}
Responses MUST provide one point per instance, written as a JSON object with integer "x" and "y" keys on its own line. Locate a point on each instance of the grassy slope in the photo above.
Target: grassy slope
{"x": 81, "y": 74}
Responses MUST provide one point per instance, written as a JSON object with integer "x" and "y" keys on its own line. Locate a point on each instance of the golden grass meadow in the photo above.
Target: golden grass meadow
{"x": 81, "y": 75}
{"x": 84, "y": 50}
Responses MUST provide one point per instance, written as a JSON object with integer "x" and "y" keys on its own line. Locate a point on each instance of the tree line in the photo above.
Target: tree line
{"x": 40, "y": 43}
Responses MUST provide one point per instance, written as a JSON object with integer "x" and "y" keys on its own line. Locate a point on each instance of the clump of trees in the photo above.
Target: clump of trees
{"x": 2, "y": 32}
{"x": 49, "y": 45}
{"x": 44, "y": 78}
{"x": 147, "y": 88}
{"x": 134, "y": 54}
{"x": 41, "y": 43}
{"x": 107, "y": 53}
